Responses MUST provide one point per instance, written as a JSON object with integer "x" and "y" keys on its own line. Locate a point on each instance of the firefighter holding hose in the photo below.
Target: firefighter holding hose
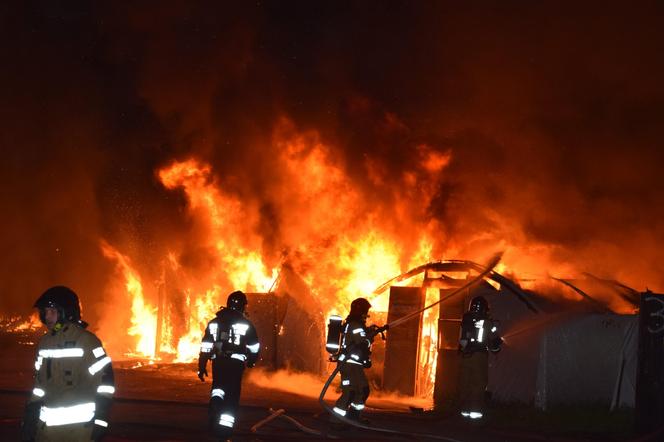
{"x": 353, "y": 357}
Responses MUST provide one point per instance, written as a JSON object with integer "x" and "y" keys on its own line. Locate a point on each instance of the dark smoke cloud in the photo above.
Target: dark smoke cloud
{"x": 553, "y": 117}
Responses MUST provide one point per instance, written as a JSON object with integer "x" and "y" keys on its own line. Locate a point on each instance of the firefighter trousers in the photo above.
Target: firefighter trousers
{"x": 474, "y": 378}
{"x": 225, "y": 394}
{"x": 64, "y": 433}
{"x": 354, "y": 390}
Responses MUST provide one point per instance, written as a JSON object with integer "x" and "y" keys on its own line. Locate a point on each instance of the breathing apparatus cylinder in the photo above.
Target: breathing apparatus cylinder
{"x": 334, "y": 330}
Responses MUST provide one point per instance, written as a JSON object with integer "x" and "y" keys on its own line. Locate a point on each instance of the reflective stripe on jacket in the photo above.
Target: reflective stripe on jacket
{"x": 355, "y": 345}
{"x": 73, "y": 377}
{"x": 230, "y": 334}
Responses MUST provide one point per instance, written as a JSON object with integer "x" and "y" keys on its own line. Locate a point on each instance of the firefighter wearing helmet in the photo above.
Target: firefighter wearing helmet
{"x": 354, "y": 357}
{"x": 479, "y": 335}
{"x": 74, "y": 383}
{"x": 231, "y": 342}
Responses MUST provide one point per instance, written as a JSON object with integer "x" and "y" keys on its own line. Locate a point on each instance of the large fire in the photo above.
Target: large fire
{"x": 339, "y": 246}
{"x": 328, "y": 232}
{"x": 279, "y": 152}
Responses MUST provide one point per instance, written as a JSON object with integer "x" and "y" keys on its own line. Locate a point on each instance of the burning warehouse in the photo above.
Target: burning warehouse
{"x": 156, "y": 160}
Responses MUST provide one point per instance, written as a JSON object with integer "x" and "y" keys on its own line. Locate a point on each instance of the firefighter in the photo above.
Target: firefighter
{"x": 354, "y": 357}
{"x": 231, "y": 342}
{"x": 74, "y": 383}
{"x": 479, "y": 335}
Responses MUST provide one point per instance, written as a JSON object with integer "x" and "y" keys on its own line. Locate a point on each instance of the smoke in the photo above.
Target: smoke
{"x": 527, "y": 127}
{"x": 304, "y": 384}
{"x": 308, "y": 385}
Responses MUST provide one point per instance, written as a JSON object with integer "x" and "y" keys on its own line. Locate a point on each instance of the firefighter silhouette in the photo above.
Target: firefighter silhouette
{"x": 355, "y": 356}
{"x": 231, "y": 342}
{"x": 479, "y": 335}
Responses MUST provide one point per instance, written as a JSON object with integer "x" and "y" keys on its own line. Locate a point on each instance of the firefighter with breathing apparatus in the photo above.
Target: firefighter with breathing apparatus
{"x": 479, "y": 335}
{"x": 74, "y": 383}
{"x": 231, "y": 342}
{"x": 350, "y": 342}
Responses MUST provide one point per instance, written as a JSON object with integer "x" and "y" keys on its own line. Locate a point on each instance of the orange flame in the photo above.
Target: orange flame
{"x": 143, "y": 316}
{"x": 201, "y": 310}
{"x": 317, "y": 201}
{"x": 17, "y": 324}
{"x": 428, "y": 344}
{"x": 342, "y": 242}
{"x": 236, "y": 246}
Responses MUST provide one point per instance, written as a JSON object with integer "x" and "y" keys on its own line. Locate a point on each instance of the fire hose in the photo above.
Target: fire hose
{"x": 492, "y": 263}
{"x": 281, "y": 413}
{"x": 356, "y": 424}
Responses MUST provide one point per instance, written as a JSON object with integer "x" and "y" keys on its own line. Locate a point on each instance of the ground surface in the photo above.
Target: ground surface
{"x": 168, "y": 403}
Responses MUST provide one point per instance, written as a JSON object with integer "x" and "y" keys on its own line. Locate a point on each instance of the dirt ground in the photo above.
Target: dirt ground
{"x": 167, "y": 402}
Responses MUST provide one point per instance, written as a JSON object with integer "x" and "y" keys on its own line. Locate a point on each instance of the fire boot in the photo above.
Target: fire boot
{"x": 355, "y": 415}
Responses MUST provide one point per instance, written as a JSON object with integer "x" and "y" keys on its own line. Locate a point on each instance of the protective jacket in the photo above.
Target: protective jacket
{"x": 73, "y": 386}
{"x": 356, "y": 343}
{"x": 230, "y": 341}
{"x": 478, "y": 333}
{"x": 230, "y": 334}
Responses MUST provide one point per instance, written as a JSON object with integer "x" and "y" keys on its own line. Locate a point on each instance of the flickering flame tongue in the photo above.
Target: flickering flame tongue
{"x": 143, "y": 319}
{"x": 228, "y": 224}
{"x": 143, "y": 316}
{"x": 201, "y": 309}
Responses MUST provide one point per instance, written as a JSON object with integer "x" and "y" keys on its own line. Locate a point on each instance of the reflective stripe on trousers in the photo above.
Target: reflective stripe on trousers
{"x": 75, "y": 414}
{"x": 472, "y": 414}
{"x": 227, "y": 420}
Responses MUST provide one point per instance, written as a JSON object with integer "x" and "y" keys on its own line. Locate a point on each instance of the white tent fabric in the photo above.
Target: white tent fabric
{"x": 568, "y": 359}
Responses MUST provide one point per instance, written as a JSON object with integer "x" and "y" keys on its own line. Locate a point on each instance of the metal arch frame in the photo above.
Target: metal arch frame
{"x": 464, "y": 265}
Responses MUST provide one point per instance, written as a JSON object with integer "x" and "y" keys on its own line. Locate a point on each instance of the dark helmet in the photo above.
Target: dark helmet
{"x": 64, "y": 300}
{"x": 359, "y": 307}
{"x": 478, "y": 305}
{"x": 237, "y": 301}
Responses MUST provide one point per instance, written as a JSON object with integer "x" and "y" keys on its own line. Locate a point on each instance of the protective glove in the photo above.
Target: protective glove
{"x": 374, "y": 330}
{"x": 202, "y": 372}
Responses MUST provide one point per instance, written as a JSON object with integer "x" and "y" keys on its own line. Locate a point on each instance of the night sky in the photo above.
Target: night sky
{"x": 552, "y": 112}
